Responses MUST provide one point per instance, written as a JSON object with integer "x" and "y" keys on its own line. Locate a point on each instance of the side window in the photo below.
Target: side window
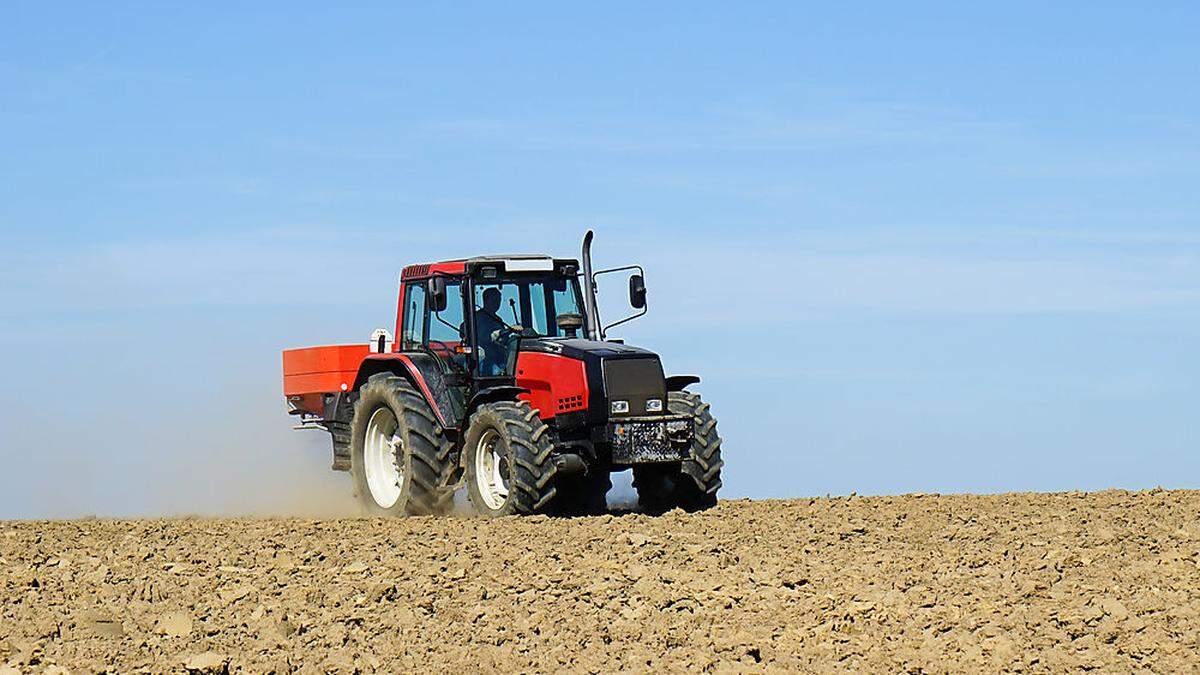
{"x": 447, "y": 326}
{"x": 564, "y": 302}
{"x": 537, "y": 303}
{"x": 414, "y": 316}
{"x": 510, "y": 301}
{"x": 493, "y": 314}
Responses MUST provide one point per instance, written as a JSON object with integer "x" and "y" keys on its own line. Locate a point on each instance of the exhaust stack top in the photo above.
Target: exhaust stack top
{"x": 589, "y": 289}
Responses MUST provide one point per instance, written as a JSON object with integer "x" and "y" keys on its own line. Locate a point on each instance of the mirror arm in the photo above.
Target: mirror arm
{"x": 618, "y": 269}
{"x": 623, "y": 268}
{"x": 631, "y": 317}
{"x": 447, "y": 324}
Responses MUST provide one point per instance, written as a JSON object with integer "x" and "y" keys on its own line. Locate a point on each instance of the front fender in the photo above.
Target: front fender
{"x": 681, "y": 382}
{"x": 492, "y": 394}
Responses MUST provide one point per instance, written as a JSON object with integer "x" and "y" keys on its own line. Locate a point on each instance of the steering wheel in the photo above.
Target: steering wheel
{"x": 508, "y": 334}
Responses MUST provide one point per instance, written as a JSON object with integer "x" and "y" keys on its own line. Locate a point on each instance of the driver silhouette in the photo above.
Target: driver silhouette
{"x": 492, "y": 334}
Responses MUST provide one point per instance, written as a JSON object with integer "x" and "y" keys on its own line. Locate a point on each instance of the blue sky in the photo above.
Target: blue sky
{"x": 929, "y": 247}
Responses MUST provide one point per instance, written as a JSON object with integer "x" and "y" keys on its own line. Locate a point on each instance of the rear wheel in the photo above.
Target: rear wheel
{"x": 508, "y": 465}
{"x": 398, "y": 454}
{"x": 693, "y": 483}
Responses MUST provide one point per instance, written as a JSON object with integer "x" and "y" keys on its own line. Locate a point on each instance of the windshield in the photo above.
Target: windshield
{"x": 532, "y": 302}
{"x": 522, "y": 305}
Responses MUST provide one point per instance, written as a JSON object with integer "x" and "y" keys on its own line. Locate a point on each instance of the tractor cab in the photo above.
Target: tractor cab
{"x": 473, "y": 314}
{"x": 514, "y": 299}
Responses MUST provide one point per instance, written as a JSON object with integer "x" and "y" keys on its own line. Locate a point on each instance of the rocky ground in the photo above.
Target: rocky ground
{"x": 1021, "y": 582}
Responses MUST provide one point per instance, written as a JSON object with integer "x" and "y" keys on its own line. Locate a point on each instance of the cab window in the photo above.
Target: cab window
{"x": 446, "y": 326}
{"x": 413, "y": 332}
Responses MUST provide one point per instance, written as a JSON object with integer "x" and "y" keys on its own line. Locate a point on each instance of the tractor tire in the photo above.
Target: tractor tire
{"x": 693, "y": 483}
{"x": 509, "y": 470}
{"x": 584, "y": 495}
{"x": 399, "y": 455}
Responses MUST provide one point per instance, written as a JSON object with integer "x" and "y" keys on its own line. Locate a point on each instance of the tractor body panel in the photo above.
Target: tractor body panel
{"x": 554, "y": 384}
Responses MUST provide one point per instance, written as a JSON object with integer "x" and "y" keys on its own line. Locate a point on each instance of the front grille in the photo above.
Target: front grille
{"x": 639, "y": 442}
{"x": 635, "y": 381}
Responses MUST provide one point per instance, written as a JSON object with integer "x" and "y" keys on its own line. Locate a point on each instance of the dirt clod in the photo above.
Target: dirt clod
{"x": 175, "y": 624}
{"x": 918, "y": 583}
{"x": 206, "y": 663}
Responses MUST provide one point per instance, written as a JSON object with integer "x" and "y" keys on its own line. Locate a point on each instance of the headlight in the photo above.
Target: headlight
{"x": 654, "y": 405}
{"x": 620, "y": 406}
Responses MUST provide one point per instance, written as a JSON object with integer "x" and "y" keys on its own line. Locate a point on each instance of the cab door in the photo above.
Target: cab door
{"x": 436, "y": 342}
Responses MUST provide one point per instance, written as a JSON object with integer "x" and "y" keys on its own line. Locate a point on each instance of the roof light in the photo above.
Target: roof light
{"x": 529, "y": 265}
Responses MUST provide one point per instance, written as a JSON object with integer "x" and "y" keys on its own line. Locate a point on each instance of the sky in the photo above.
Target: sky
{"x": 933, "y": 247}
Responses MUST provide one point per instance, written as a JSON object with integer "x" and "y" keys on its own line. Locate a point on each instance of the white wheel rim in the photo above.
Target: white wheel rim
{"x": 490, "y": 467}
{"x": 382, "y": 461}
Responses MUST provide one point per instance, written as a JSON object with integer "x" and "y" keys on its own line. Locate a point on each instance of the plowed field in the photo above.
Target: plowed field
{"x": 1021, "y": 582}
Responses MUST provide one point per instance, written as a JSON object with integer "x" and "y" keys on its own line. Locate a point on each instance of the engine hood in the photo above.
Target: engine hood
{"x": 610, "y": 371}
{"x": 581, "y": 349}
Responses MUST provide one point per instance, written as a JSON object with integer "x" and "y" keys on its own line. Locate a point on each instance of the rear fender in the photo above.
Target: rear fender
{"x": 423, "y": 373}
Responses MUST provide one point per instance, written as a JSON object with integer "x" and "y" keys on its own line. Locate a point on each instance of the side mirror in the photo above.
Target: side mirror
{"x": 437, "y": 294}
{"x": 637, "y": 291}
{"x": 571, "y": 323}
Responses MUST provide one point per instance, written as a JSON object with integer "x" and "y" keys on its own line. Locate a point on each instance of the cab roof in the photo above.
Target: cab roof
{"x": 516, "y": 262}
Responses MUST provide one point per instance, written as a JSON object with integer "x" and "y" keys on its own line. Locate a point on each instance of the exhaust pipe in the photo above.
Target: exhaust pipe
{"x": 589, "y": 290}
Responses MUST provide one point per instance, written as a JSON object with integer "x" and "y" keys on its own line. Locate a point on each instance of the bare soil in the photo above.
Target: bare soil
{"x": 1021, "y": 582}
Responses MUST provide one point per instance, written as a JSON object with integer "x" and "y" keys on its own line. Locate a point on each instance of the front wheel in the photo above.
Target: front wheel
{"x": 693, "y": 483}
{"x": 508, "y": 465}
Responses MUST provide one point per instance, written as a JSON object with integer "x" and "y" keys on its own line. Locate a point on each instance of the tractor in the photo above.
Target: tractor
{"x": 500, "y": 377}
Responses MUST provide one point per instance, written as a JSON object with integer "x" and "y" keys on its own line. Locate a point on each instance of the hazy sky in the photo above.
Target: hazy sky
{"x": 909, "y": 247}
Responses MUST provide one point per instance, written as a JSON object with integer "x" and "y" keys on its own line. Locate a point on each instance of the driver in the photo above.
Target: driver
{"x": 492, "y": 333}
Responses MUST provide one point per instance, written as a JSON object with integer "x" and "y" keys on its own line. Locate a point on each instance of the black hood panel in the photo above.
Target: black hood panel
{"x": 577, "y": 348}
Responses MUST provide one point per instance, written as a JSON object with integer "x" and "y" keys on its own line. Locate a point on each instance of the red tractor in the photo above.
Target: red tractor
{"x": 490, "y": 383}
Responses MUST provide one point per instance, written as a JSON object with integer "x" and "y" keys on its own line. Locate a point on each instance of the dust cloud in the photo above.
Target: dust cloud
{"x": 254, "y": 464}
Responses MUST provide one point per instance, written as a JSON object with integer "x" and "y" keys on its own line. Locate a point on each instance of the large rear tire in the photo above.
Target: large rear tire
{"x": 509, "y": 470}
{"x": 693, "y": 483}
{"x": 399, "y": 456}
